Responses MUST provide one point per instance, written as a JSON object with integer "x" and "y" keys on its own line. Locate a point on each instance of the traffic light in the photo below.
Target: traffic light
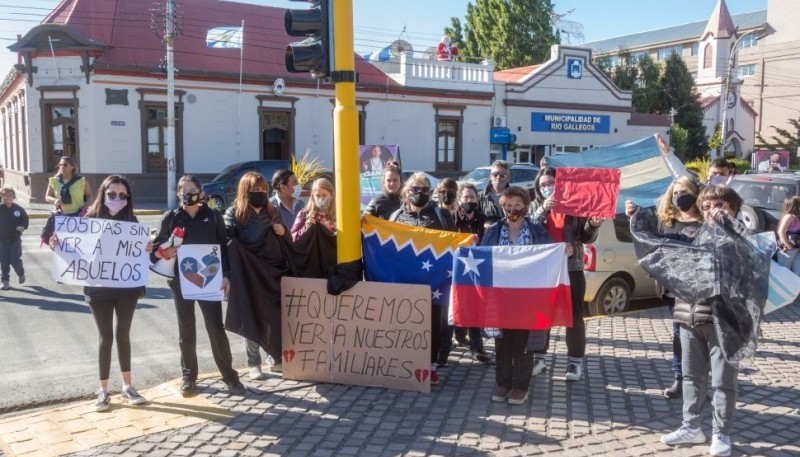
{"x": 315, "y": 53}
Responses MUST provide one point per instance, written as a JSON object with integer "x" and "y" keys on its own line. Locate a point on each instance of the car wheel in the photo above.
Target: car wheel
{"x": 613, "y": 297}
{"x": 752, "y": 217}
{"x": 216, "y": 202}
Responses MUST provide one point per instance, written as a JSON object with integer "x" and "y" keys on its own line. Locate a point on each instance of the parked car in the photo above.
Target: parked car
{"x": 763, "y": 195}
{"x": 613, "y": 275}
{"x": 522, "y": 175}
{"x": 433, "y": 179}
{"x": 221, "y": 191}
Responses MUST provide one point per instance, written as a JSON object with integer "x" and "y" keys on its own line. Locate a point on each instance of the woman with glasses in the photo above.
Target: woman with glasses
{"x": 575, "y": 231}
{"x": 499, "y": 179}
{"x": 201, "y": 225}
{"x": 417, "y": 209}
{"x": 113, "y": 202}
{"x": 68, "y": 191}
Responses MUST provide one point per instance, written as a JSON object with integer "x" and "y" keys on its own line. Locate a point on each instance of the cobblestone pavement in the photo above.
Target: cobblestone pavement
{"x": 616, "y": 409}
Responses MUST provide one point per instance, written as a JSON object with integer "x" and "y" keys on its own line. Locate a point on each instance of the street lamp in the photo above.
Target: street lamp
{"x": 727, "y": 92}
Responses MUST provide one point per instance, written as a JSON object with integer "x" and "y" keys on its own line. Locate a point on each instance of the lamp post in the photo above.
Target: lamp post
{"x": 727, "y": 92}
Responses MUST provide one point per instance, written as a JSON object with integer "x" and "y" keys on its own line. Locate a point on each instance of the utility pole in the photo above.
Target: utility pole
{"x": 169, "y": 153}
{"x": 672, "y": 113}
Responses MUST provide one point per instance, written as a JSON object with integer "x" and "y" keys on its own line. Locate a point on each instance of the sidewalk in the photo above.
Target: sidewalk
{"x": 617, "y": 409}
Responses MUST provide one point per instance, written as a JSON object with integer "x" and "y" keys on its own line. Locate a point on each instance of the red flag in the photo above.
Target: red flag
{"x": 587, "y": 192}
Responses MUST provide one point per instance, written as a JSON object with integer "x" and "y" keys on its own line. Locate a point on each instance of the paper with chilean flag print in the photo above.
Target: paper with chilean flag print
{"x": 512, "y": 287}
{"x": 402, "y": 253}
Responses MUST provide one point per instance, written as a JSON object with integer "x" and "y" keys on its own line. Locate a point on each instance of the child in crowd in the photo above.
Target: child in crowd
{"x": 13, "y": 221}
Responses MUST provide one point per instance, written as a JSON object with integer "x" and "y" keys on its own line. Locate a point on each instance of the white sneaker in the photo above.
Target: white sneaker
{"x": 684, "y": 435}
{"x": 720, "y": 445}
{"x": 276, "y": 368}
{"x": 574, "y": 372}
{"x": 539, "y": 365}
{"x": 256, "y": 374}
{"x": 132, "y": 396}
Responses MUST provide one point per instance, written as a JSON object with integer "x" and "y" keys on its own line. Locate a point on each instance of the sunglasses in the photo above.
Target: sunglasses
{"x": 706, "y": 206}
{"x": 420, "y": 190}
{"x": 499, "y": 174}
{"x": 114, "y": 195}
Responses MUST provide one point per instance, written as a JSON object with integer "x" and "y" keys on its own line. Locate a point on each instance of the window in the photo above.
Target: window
{"x": 664, "y": 53}
{"x": 746, "y": 70}
{"x": 637, "y": 56}
{"x": 695, "y": 49}
{"x": 61, "y": 133}
{"x": 749, "y": 41}
{"x": 154, "y": 136}
{"x": 708, "y": 56}
{"x": 448, "y": 143}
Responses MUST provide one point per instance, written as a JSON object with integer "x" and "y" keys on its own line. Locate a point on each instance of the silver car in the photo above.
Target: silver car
{"x": 613, "y": 276}
{"x": 522, "y": 175}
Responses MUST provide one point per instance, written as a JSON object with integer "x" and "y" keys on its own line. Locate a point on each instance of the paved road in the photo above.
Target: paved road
{"x": 48, "y": 346}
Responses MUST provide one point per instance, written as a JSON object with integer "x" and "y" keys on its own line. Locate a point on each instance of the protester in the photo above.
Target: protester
{"x": 202, "y": 225}
{"x": 114, "y": 202}
{"x": 287, "y": 196}
{"x": 576, "y": 231}
{"x": 13, "y": 221}
{"x": 788, "y": 235}
{"x": 417, "y": 210}
{"x": 469, "y": 219}
{"x": 499, "y": 177}
{"x": 678, "y": 216}
{"x": 514, "y": 368}
{"x": 719, "y": 171}
{"x": 321, "y": 209}
{"x": 446, "y": 191}
{"x": 388, "y": 201}
{"x": 248, "y": 220}
{"x": 701, "y": 347}
{"x": 68, "y": 191}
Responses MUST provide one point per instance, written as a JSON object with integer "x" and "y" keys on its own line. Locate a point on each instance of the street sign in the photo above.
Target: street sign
{"x": 501, "y": 135}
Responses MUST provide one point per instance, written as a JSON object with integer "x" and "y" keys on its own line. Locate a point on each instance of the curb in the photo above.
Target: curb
{"x": 138, "y": 212}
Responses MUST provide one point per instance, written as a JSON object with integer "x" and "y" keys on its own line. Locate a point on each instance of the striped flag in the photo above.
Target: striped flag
{"x": 513, "y": 287}
{"x": 647, "y": 168}
{"x": 225, "y": 37}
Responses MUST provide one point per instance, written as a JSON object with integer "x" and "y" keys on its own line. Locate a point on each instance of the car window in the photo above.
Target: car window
{"x": 521, "y": 174}
{"x": 225, "y": 174}
{"x": 762, "y": 194}
{"x": 478, "y": 174}
{"x": 622, "y": 228}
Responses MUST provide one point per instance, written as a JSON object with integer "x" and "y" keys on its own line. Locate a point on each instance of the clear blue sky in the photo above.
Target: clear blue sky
{"x": 378, "y": 22}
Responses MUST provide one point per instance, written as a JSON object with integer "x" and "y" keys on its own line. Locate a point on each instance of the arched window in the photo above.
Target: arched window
{"x": 707, "y": 56}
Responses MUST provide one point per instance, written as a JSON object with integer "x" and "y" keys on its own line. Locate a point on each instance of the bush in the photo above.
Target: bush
{"x": 702, "y": 164}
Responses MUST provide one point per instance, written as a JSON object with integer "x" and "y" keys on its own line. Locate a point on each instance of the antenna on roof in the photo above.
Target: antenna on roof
{"x": 571, "y": 32}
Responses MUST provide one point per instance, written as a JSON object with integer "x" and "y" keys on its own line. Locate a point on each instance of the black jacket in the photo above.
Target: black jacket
{"x": 475, "y": 225}
{"x": 383, "y": 206}
{"x": 206, "y": 227}
{"x": 254, "y": 230}
{"x": 491, "y": 208}
{"x": 427, "y": 218}
{"x": 12, "y": 217}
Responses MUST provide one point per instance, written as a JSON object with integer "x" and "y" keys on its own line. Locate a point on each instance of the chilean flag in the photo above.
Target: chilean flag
{"x": 512, "y": 287}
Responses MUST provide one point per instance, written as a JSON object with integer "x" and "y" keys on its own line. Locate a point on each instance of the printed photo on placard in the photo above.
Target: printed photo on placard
{"x": 371, "y": 160}
{"x": 200, "y": 271}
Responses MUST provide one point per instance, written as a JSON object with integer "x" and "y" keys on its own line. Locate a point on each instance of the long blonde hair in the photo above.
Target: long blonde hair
{"x": 312, "y": 210}
{"x": 416, "y": 179}
{"x": 250, "y": 181}
{"x": 667, "y": 212}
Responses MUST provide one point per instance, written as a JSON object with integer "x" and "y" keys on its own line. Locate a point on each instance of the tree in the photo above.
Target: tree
{"x": 679, "y": 92}
{"x": 639, "y": 75}
{"x": 678, "y": 139}
{"x": 456, "y": 36}
{"x": 513, "y": 33}
{"x": 785, "y": 140}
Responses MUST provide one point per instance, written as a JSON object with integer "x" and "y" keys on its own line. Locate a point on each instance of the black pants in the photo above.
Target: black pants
{"x": 514, "y": 362}
{"x": 187, "y": 333}
{"x": 475, "y": 338}
{"x": 576, "y": 335}
{"x": 436, "y": 331}
{"x": 103, "y": 313}
{"x": 10, "y": 256}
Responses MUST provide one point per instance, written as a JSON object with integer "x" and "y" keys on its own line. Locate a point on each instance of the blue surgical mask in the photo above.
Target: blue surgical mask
{"x": 717, "y": 179}
{"x": 547, "y": 192}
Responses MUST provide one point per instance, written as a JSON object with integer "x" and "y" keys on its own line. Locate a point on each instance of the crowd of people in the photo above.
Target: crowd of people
{"x": 271, "y": 216}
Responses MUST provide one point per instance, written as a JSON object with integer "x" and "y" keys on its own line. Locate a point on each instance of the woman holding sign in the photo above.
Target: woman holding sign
{"x": 201, "y": 225}
{"x": 113, "y": 202}
{"x": 575, "y": 231}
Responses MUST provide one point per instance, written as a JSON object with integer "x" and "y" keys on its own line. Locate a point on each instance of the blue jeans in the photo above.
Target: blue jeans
{"x": 676, "y": 338}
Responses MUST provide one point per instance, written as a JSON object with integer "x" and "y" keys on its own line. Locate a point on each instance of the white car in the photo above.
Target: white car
{"x": 433, "y": 179}
{"x": 613, "y": 275}
{"x": 522, "y": 175}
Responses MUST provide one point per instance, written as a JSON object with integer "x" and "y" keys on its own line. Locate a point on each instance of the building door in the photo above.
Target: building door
{"x": 276, "y": 135}
{"x": 62, "y": 137}
{"x": 448, "y": 144}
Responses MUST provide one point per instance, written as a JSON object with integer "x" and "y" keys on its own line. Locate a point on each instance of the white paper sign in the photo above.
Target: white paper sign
{"x": 200, "y": 272}
{"x": 100, "y": 252}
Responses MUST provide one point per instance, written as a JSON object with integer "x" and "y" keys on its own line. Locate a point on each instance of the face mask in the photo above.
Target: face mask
{"x": 498, "y": 185}
{"x": 190, "y": 199}
{"x": 419, "y": 199}
{"x": 116, "y": 206}
{"x": 548, "y": 191}
{"x": 514, "y": 215}
{"x": 258, "y": 199}
{"x": 447, "y": 198}
{"x": 684, "y": 202}
{"x": 296, "y": 191}
{"x": 717, "y": 179}
{"x": 322, "y": 202}
{"x": 469, "y": 207}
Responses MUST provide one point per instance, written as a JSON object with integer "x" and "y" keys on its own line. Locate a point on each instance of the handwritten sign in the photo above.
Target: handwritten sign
{"x": 100, "y": 252}
{"x": 375, "y": 334}
{"x": 200, "y": 272}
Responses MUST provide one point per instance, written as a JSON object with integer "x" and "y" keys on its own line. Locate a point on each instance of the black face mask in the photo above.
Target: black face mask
{"x": 190, "y": 199}
{"x": 469, "y": 207}
{"x": 419, "y": 199}
{"x": 684, "y": 202}
{"x": 514, "y": 215}
{"x": 258, "y": 199}
{"x": 447, "y": 198}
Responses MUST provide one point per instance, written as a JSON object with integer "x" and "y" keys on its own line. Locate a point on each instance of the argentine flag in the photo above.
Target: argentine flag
{"x": 225, "y": 37}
